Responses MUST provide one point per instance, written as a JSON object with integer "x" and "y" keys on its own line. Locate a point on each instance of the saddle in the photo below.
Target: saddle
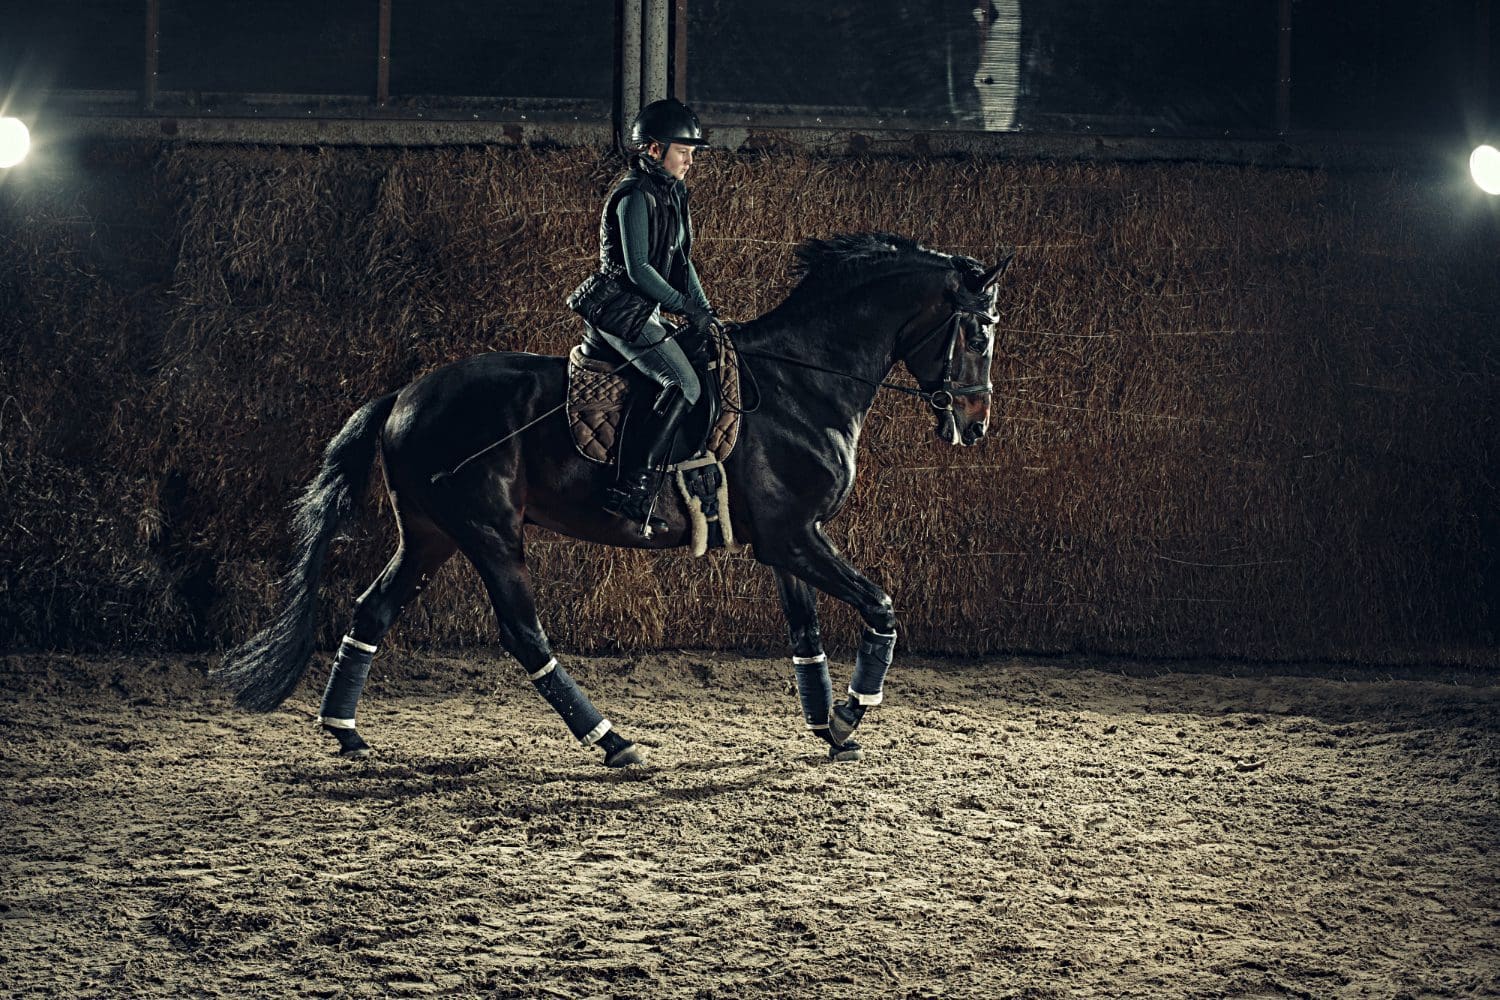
{"x": 600, "y": 395}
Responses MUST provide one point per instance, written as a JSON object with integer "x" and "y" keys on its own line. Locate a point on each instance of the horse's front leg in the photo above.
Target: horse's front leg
{"x": 811, "y": 557}
{"x": 810, "y": 663}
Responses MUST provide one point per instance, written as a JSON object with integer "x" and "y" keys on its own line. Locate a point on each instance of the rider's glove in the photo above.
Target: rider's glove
{"x": 700, "y": 319}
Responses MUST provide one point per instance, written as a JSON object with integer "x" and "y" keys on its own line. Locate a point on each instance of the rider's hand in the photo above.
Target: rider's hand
{"x": 699, "y": 319}
{"x": 698, "y": 349}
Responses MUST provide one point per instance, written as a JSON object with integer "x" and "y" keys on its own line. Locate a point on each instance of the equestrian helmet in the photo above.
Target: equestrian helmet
{"x": 666, "y": 121}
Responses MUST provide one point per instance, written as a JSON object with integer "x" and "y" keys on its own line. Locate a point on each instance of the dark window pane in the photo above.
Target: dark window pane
{"x": 998, "y": 64}
{"x": 1374, "y": 65}
{"x": 269, "y": 46}
{"x": 83, "y": 45}
{"x": 1162, "y": 64}
{"x": 886, "y": 58}
{"x": 561, "y": 50}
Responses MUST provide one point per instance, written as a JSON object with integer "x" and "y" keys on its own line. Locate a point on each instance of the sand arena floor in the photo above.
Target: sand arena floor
{"x": 1021, "y": 828}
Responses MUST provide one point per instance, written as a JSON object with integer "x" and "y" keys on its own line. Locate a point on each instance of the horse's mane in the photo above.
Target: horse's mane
{"x": 824, "y": 265}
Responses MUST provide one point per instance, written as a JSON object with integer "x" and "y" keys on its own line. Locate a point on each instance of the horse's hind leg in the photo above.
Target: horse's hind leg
{"x": 810, "y": 663}
{"x": 422, "y": 551}
{"x": 500, "y": 559}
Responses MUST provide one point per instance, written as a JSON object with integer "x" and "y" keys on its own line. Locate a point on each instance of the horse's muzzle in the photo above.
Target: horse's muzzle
{"x": 964, "y": 424}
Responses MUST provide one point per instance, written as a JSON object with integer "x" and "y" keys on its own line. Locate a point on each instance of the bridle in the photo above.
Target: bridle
{"x": 941, "y": 398}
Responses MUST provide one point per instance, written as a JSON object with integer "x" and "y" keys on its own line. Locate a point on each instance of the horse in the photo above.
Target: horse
{"x": 862, "y": 303}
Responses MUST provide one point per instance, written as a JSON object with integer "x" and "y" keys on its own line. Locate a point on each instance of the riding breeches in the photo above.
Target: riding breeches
{"x": 657, "y": 357}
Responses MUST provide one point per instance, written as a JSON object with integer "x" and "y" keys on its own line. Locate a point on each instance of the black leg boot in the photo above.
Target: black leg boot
{"x": 637, "y": 488}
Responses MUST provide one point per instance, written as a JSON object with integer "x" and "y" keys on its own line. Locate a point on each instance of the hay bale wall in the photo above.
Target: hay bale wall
{"x": 1239, "y": 412}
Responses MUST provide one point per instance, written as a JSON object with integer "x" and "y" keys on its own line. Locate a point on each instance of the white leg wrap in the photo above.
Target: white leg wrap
{"x": 870, "y": 666}
{"x": 814, "y": 689}
{"x": 596, "y": 734}
{"x": 550, "y": 666}
{"x": 346, "y": 682}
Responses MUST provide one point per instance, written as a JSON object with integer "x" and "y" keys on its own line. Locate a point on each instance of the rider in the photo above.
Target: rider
{"x": 645, "y": 244}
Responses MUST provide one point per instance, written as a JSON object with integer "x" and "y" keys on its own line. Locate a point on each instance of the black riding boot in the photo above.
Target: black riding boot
{"x": 637, "y": 487}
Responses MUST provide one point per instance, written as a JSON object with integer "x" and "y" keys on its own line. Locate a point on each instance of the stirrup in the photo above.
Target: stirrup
{"x": 634, "y": 503}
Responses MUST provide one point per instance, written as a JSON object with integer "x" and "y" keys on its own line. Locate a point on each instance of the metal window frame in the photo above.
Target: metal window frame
{"x": 652, "y": 56}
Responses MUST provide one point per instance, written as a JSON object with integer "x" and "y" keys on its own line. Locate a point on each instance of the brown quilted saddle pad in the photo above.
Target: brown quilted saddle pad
{"x": 597, "y": 399}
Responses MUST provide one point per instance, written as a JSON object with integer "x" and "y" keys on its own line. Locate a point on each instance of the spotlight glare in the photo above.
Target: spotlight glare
{"x": 15, "y": 141}
{"x": 1484, "y": 165}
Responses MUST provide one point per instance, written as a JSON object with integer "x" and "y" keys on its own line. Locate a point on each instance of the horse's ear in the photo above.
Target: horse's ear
{"x": 988, "y": 279}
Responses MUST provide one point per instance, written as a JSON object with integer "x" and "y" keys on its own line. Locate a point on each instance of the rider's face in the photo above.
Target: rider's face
{"x": 676, "y": 160}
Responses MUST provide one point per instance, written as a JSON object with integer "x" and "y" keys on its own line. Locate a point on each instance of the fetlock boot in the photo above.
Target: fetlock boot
{"x": 633, "y": 496}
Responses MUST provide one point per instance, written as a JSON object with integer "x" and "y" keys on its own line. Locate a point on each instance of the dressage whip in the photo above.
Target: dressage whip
{"x": 441, "y": 477}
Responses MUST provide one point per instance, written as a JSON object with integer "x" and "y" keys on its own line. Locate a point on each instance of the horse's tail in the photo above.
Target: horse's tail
{"x": 266, "y": 668}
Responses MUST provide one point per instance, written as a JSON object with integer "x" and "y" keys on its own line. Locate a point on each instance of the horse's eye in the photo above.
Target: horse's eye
{"x": 976, "y": 334}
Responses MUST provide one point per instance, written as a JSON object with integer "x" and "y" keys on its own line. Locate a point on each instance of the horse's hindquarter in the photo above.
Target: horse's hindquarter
{"x": 453, "y": 412}
{"x": 457, "y": 412}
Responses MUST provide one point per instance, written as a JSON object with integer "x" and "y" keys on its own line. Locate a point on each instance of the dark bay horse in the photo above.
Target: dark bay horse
{"x": 864, "y": 303}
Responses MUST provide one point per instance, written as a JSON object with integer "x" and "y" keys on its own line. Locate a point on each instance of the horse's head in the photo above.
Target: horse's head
{"x": 951, "y": 361}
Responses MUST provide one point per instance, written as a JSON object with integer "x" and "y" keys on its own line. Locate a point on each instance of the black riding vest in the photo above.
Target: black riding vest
{"x": 668, "y": 199}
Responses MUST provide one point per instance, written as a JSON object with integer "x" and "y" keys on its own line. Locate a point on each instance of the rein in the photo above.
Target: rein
{"x": 938, "y": 399}
{"x": 767, "y": 356}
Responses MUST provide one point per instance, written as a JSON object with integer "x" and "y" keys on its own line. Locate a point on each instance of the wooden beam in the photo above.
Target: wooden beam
{"x": 680, "y": 51}
{"x": 654, "y": 43}
{"x": 383, "y": 57}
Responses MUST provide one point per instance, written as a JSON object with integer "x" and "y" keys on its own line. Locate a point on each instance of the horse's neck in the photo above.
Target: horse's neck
{"x": 840, "y": 362}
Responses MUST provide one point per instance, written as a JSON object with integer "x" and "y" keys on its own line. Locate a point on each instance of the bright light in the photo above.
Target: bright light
{"x": 15, "y": 140}
{"x": 1484, "y": 164}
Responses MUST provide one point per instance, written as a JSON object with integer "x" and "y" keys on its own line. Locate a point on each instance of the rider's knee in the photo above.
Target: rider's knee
{"x": 687, "y": 387}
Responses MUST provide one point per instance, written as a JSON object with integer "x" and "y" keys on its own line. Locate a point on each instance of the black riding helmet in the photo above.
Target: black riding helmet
{"x": 666, "y": 122}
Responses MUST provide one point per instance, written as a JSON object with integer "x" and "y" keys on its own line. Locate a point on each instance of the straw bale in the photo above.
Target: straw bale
{"x": 1238, "y": 412}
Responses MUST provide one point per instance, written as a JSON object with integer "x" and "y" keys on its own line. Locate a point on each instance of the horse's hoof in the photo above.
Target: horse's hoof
{"x": 625, "y": 756}
{"x": 843, "y": 754}
{"x": 351, "y": 744}
{"x": 841, "y": 728}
